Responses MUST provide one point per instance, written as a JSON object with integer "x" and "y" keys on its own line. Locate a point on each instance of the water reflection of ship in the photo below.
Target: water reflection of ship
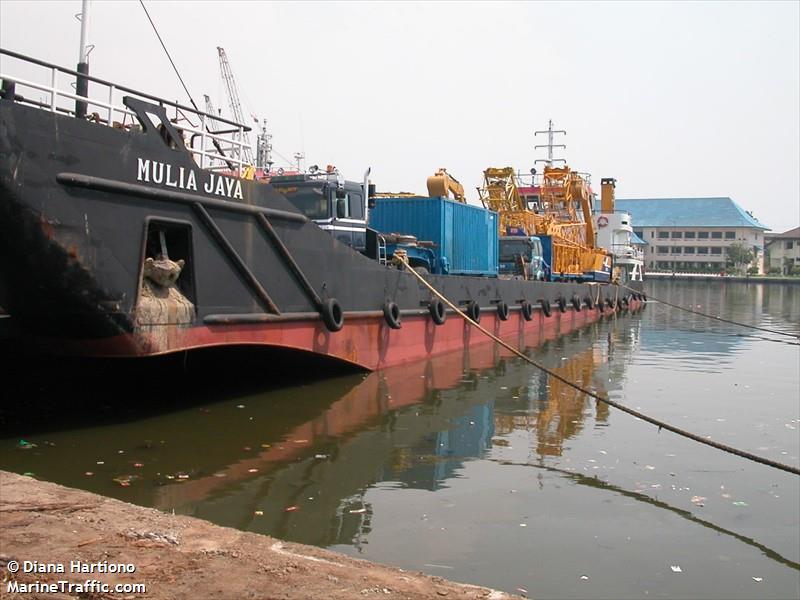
{"x": 410, "y": 427}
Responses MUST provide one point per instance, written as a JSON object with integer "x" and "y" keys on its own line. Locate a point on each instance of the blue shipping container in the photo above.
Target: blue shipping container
{"x": 465, "y": 236}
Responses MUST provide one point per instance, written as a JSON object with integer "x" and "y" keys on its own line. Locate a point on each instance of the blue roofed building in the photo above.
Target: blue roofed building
{"x": 693, "y": 234}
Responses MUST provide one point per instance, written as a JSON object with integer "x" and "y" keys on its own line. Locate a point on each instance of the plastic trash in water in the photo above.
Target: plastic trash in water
{"x": 676, "y": 569}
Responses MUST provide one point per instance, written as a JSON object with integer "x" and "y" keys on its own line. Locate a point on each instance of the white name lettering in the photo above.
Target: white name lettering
{"x": 153, "y": 171}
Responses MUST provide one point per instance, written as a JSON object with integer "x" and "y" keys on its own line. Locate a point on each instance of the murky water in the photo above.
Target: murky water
{"x": 479, "y": 468}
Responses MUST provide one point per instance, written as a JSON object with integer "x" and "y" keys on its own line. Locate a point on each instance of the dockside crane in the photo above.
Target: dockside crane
{"x": 234, "y": 102}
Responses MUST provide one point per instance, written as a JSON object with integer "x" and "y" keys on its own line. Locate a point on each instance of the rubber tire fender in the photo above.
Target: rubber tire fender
{"x": 332, "y": 314}
{"x": 438, "y": 311}
{"x": 562, "y": 304}
{"x": 502, "y": 311}
{"x": 391, "y": 312}
{"x": 473, "y": 311}
{"x": 576, "y": 302}
{"x": 589, "y": 302}
{"x": 526, "y": 308}
{"x": 545, "y": 304}
{"x": 610, "y": 303}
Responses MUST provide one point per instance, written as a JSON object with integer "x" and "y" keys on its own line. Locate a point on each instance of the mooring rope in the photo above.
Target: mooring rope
{"x": 716, "y": 318}
{"x": 601, "y": 398}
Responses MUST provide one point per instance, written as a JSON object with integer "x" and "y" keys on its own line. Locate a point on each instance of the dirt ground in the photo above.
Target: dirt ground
{"x": 179, "y": 557}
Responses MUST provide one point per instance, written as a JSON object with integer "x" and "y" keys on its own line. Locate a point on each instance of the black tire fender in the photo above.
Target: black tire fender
{"x": 332, "y": 314}
{"x": 474, "y": 311}
{"x": 576, "y": 302}
{"x": 562, "y": 304}
{"x": 502, "y": 311}
{"x": 391, "y": 312}
{"x": 526, "y": 308}
{"x": 545, "y": 304}
{"x": 589, "y": 302}
{"x": 438, "y": 311}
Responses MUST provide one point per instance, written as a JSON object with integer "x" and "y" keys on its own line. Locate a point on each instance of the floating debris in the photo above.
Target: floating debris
{"x": 358, "y": 510}
{"x": 259, "y": 513}
{"x": 740, "y": 503}
{"x": 291, "y": 508}
{"x": 758, "y": 579}
{"x": 699, "y": 500}
{"x": 252, "y": 470}
{"x": 676, "y": 569}
{"x": 584, "y": 577}
{"x": 25, "y": 445}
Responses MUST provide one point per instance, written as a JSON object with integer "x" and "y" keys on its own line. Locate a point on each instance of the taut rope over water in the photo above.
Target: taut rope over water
{"x": 602, "y": 398}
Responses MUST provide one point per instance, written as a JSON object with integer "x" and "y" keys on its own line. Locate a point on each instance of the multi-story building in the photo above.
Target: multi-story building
{"x": 693, "y": 234}
{"x": 784, "y": 250}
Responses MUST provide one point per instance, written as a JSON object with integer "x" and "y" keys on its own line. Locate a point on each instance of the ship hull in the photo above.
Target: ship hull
{"x": 80, "y": 202}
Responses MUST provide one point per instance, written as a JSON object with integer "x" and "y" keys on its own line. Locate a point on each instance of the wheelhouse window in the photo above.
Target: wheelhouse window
{"x": 310, "y": 201}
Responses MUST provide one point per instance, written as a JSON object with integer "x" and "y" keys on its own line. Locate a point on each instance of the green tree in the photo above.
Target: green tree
{"x": 739, "y": 256}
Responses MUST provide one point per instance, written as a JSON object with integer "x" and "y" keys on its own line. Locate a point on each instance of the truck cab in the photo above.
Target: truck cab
{"x": 334, "y": 204}
{"x": 521, "y": 257}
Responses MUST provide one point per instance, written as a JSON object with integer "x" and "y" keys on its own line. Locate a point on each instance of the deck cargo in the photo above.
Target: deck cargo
{"x": 464, "y": 237}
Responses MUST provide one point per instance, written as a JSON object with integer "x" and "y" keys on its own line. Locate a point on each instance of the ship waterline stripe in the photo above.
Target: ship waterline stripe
{"x": 143, "y": 191}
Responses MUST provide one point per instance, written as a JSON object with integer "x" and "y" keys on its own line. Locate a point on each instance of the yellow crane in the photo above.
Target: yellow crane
{"x": 563, "y": 211}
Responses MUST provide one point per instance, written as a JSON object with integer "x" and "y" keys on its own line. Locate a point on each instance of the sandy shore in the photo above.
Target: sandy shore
{"x": 175, "y": 556}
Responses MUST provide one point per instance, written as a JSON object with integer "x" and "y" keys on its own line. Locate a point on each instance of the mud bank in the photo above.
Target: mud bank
{"x": 48, "y": 527}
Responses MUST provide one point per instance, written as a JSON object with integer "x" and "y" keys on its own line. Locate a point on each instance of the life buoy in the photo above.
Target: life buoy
{"x": 502, "y": 311}
{"x": 576, "y": 302}
{"x": 602, "y": 221}
{"x": 562, "y": 304}
{"x": 545, "y": 304}
{"x": 437, "y": 310}
{"x": 391, "y": 312}
{"x": 526, "y": 308}
{"x": 474, "y": 311}
{"x": 332, "y": 314}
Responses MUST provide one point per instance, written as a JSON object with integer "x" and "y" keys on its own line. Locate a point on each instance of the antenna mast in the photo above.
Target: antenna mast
{"x": 264, "y": 149}
{"x": 82, "y": 84}
{"x": 550, "y": 145}
{"x": 233, "y": 100}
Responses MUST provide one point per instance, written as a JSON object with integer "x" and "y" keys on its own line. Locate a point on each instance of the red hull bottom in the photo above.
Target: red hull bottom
{"x": 366, "y": 342}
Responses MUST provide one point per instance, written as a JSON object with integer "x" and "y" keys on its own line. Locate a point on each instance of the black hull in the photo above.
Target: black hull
{"x": 74, "y": 217}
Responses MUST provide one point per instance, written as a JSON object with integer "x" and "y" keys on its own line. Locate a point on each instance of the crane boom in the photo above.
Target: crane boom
{"x": 233, "y": 101}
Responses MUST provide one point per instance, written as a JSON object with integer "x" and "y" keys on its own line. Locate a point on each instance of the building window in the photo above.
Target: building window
{"x": 639, "y": 232}
{"x": 789, "y": 245}
{"x": 676, "y": 250}
{"x": 702, "y": 235}
{"x": 702, "y": 250}
{"x": 716, "y": 251}
{"x": 688, "y": 250}
{"x": 662, "y": 250}
{"x": 676, "y": 235}
{"x": 716, "y": 235}
{"x": 663, "y": 235}
{"x": 652, "y": 234}
{"x": 689, "y": 235}
{"x": 730, "y": 235}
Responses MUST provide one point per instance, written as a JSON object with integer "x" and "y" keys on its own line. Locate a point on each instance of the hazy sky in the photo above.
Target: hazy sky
{"x": 672, "y": 99}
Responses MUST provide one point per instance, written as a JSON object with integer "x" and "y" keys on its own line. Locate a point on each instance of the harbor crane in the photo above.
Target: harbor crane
{"x": 234, "y": 102}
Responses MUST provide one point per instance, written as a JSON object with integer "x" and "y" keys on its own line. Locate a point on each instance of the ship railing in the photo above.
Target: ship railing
{"x": 627, "y": 251}
{"x": 222, "y": 142}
